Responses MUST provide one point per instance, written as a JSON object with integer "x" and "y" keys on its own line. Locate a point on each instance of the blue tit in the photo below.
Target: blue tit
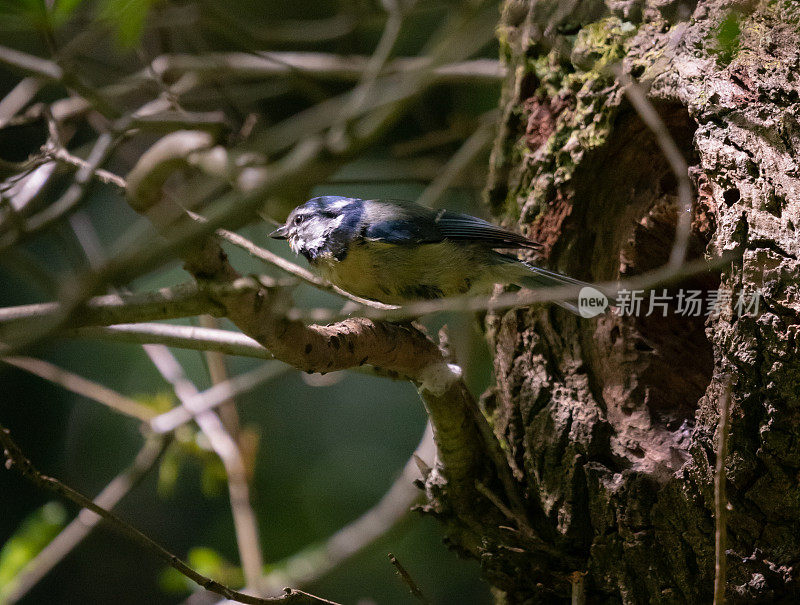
{"x": 395, "y": 252}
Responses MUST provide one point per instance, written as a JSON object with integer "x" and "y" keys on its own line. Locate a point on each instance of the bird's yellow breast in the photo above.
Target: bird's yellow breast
{"x": 396, "y": 274}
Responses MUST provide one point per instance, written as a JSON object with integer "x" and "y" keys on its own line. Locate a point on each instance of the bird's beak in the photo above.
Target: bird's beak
{"x": 279, "y": 233}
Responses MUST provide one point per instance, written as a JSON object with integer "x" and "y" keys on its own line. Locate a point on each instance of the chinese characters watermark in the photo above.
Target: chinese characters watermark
{"x": 686, "y": 303}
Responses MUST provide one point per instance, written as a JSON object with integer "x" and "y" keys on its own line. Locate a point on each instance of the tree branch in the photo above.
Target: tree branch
{"x": 80, "y": 527}
{"x": 82, "y": 386}
{"x": 16, "y": 459}
{"x": 226, "y": 447}
{"x": 235, "y": 65}
{"x": 184, "y": 300}
{"x": 216, "y": 395}
{"x": 184, "y": 337}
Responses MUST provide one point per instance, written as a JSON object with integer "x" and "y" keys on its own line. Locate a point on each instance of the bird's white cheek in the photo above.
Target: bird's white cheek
{"x": 317, "y": 233}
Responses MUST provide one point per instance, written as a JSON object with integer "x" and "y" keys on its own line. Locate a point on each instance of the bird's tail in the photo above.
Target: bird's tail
{"x": 535, "y": 278}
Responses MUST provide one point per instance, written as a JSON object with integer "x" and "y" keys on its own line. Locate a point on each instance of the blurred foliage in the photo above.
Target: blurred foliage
{"x": 208, "y": 562}
{"x": 33, "y": 534}
{"x": 128, "y": 18}
{"x": 191, "y": 447}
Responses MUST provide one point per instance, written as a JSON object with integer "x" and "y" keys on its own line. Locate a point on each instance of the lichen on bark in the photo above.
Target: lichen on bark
{"x": 609, "y": 424}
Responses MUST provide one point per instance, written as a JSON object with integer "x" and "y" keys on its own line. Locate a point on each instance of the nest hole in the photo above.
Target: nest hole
{"x": 660, "y": 362}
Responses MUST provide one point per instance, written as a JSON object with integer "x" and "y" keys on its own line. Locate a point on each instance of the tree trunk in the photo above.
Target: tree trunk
{"x": 610, "y": 423}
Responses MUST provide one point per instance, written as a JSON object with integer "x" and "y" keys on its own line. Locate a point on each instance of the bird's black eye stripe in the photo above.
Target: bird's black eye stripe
{"x": 328, "y": 214}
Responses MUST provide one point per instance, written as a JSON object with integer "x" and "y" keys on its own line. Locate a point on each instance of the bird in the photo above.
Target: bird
{"x": 396, "y": 252}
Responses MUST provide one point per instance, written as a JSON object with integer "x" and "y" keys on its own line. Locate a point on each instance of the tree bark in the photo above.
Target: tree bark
{"x": 609, "y": 424}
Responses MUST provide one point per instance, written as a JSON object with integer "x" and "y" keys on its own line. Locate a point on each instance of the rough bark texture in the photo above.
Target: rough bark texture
{"x": 609, "y": 424}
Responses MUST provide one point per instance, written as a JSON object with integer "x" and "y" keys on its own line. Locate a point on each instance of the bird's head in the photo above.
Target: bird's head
{"x": 322, "y": 224}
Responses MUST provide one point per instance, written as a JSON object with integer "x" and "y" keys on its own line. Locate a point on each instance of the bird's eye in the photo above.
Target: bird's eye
{"x": 298, "y": 219}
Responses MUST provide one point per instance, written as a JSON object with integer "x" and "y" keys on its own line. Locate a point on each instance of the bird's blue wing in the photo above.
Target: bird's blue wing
{"x": 401, "y": 223}
{"x": 404, "y": 223}
{"x": 400, "y": 231}
{"x": 457, "y": 226}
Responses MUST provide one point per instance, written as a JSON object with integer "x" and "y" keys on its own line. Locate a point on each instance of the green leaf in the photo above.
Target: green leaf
{"x": 32, "y": 535}
{"x": 206, "y": 561}
{"x": 128, "y": 18}
{"x": 63, "y": 10}
{"x": 159, "y": 402}
{"x": 190, "y": 447}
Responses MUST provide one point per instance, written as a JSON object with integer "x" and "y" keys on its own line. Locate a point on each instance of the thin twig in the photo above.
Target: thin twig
{"x": 522, "y": 523}
{"x": 576, "y": 578}
{"x": 18, "y": 97}
{"x": 377, "y": 61}
{"x": 80, "y": 527}
{"x": 82, "y": 386}
{"x": 217, "y": 395}
{"x": 71, "y": 198}
{"x": 218, "y": 373}
{"x": 237, "y": 65}
{"x": 293, "y": 269}
{"x": 182, "y": 300}
{"x": 104, "y": 176}
{"x": 30, "y": 64}
{"x": 16, "y": 459}
{"x": 406, "y": 577}
{"x": 720, "y": 497}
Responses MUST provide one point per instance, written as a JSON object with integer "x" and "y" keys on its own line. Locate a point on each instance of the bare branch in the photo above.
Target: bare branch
{"x": 184, "y": 337}
{"x": 69, "y": 201}
{"x": 82, "y": 386}
{"x": 184, "y": 300}
{"x": 217, "y": 366}
{"x": 225, "y": 446}
{"x": 217, "y": 395}
{"x": 352, "y": 67}
{"x": 80, "y": 527}
{"x": 19, "y": 96}
{"x": 478, "y": 141}
{"x": 16, "y": 459}
{"x": 30, "y": 64}
{"x": 391, "y": 30}
{"x": 409, "y": 581}
{"x": 104, "y": 176}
